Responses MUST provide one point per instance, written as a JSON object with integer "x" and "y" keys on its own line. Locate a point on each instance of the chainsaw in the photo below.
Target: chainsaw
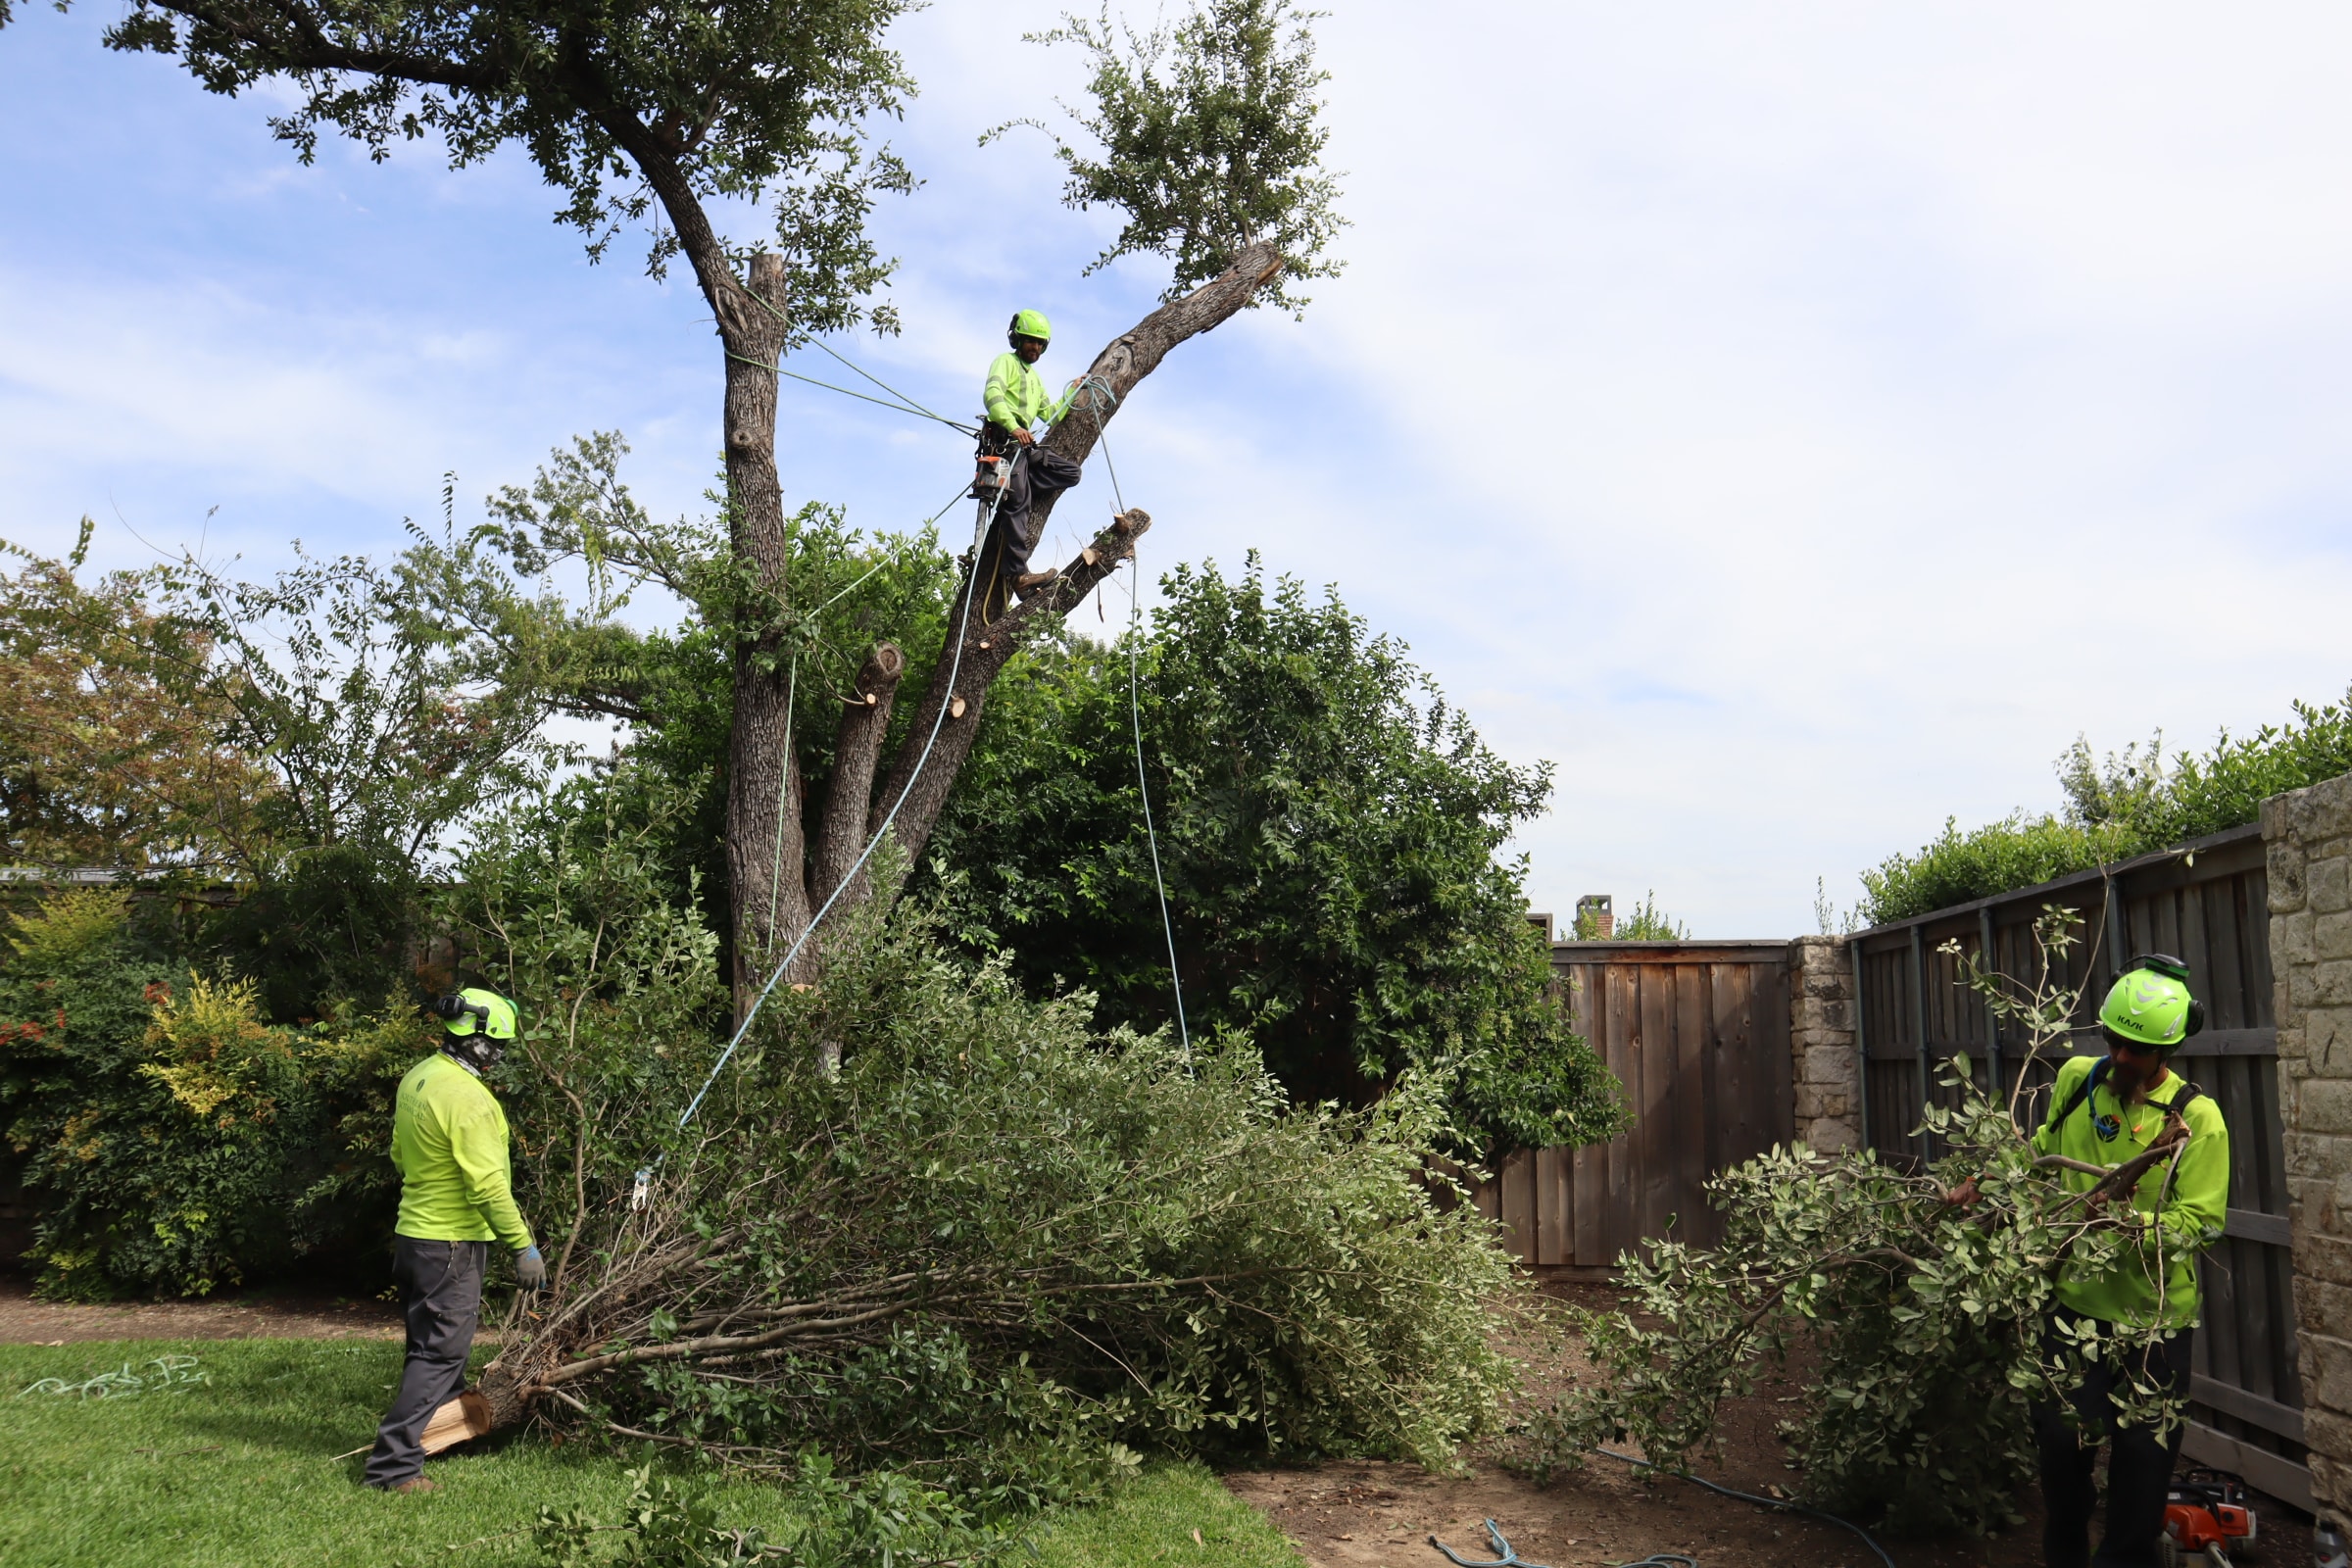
{"x": 2206, "y": 1521}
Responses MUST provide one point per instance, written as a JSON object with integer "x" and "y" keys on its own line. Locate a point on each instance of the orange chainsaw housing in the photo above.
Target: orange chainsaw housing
{"x": 2205, "y": 1507}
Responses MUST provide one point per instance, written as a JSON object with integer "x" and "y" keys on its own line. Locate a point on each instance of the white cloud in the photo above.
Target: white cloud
{"x": 1796, "y": 423}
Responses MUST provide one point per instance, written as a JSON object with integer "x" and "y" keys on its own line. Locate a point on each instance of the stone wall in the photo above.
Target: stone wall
{"x": 2308, "y": 835}
{"x": 1821, "y": 1039}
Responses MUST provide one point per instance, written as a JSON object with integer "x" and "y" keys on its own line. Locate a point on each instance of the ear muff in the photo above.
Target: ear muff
{"x": 2196, "y": 1018}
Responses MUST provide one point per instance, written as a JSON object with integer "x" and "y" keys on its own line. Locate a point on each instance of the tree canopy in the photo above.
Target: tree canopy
{"x": 1207, "y": 140}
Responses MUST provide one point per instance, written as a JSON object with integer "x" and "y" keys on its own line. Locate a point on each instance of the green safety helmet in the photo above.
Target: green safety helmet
{"x": 1030, "y": 323}
{"x": 2149, "y": 1004}
{"x": 474, "y": 1009}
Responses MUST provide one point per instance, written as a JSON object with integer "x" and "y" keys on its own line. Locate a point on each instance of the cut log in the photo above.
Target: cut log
{"x": 461, "y": 1420}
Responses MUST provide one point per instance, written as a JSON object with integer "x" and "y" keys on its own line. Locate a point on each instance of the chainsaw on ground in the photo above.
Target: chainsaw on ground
{"x": 2206, "y": 1521}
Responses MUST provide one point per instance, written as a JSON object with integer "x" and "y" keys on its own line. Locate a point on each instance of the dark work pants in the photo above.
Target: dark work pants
{"x": 1005, "y": 554}
{"x": 441, "y": 1295}
{"x": 2138, "y": 1467}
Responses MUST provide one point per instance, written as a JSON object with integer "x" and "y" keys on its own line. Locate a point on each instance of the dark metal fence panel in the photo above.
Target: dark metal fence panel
{"x": 2206, "y": 902}
{"x": 1698, "y": 1034}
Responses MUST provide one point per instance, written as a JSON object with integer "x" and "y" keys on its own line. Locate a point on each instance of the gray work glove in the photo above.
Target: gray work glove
{"x": 530, "y": 1268}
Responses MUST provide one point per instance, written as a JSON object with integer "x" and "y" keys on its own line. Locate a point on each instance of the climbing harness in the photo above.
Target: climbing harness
{"x": 2108, "y": 1127}
{"x": 1505, "y": 1559}
{"x": 1747, "y": 1496}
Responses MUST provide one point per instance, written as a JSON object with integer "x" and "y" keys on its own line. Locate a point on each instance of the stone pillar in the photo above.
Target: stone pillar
{"x": 2308, "y": 833}
{"x": 1821, "y": 1039}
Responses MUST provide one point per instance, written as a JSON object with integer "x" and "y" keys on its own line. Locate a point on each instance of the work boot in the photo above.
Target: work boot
{"x": 1028, "y": 582}
{"x": 414, "y": 1484}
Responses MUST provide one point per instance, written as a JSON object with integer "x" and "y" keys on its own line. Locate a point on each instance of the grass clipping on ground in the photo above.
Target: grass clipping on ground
{"x": 237, "y": 1471}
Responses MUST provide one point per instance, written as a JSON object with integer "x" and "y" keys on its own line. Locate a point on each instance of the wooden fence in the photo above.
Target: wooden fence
{"x": 2206, "y": 902}
{"x": 1699, "y": 1035}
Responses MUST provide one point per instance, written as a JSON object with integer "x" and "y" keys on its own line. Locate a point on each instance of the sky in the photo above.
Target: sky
{"x": 1796, "y": 423}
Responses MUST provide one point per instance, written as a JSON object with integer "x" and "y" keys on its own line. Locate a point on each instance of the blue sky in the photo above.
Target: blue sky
{"x": 1796, "y": 423}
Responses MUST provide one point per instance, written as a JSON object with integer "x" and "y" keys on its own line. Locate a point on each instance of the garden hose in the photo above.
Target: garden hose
{"x": 1744, "y": 1496}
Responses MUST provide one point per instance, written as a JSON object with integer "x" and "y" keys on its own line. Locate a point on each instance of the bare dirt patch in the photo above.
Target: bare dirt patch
{"x": 1371, "y": 1515}
{"x": 283, "y": 1313}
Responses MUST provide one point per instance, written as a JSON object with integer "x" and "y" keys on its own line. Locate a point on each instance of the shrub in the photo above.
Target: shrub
{"x": 1327, "y": 829}
{"x": 2017, "y": 852}
{"x": 2132, "y": 803}
{"x": 177, "y": 1142}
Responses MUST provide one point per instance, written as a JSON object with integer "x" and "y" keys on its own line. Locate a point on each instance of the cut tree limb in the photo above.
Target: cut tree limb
{"x": 858, "y": 747}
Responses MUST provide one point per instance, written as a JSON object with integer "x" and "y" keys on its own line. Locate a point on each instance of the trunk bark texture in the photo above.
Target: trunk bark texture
{"x": 767, "y": 871}
{"x": 765, "y": 864}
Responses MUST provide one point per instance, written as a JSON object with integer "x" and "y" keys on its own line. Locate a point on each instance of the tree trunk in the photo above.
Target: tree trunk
{"x": 1121, "y": 366}
{"x": 766, "y": 863}
{"x": 767, "y": 887}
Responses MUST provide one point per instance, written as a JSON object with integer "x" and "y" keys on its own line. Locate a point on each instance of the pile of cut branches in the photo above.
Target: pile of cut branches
{"x": 924, "y": 1222}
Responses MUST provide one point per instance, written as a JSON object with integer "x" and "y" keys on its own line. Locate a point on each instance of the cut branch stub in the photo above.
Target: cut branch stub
{"x": 864, "y": 721}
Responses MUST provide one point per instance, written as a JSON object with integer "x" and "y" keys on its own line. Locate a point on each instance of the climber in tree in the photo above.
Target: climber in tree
{"x": 1016, "y": 400}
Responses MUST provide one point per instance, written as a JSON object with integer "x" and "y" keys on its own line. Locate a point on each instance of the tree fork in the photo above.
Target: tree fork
{"x": 1119, "y": 368}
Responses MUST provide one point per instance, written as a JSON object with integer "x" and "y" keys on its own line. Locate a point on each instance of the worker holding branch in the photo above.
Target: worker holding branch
{"x": 449, "y": 1140}
{"x": 2104, "y": 1111}
{"x": 1012, "y": 462}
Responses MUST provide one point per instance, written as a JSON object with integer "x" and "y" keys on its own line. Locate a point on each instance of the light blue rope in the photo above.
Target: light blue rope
{"x": 1105, "y": 399}
{"x": 1135, "y": 714}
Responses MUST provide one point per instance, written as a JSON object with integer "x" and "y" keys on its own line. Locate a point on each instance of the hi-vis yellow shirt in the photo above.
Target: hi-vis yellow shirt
{"x": 449, "y": 1138}
{"x": 2196, "y": 1208}
{"x": 1016, "y": 395}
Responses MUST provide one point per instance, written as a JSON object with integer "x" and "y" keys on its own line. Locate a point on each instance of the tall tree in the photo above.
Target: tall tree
{"x": 638, "y": 109}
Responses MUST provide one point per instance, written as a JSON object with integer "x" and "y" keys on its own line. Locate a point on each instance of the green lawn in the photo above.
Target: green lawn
{"x": 239, "y": 1473}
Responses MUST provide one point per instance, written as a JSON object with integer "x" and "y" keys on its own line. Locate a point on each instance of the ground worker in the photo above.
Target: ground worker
{"x": 1016, "y": 400}
{"x": 2103, "y": 1111}
{"x": 449, "y": 1138}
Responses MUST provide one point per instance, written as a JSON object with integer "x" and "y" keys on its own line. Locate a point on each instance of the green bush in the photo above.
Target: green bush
{"x": 176, "y": 1141}
{"x": 1329, "y": 829}
{"x": 2017, "y": 852}
{"x": 2132, "y": 802}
